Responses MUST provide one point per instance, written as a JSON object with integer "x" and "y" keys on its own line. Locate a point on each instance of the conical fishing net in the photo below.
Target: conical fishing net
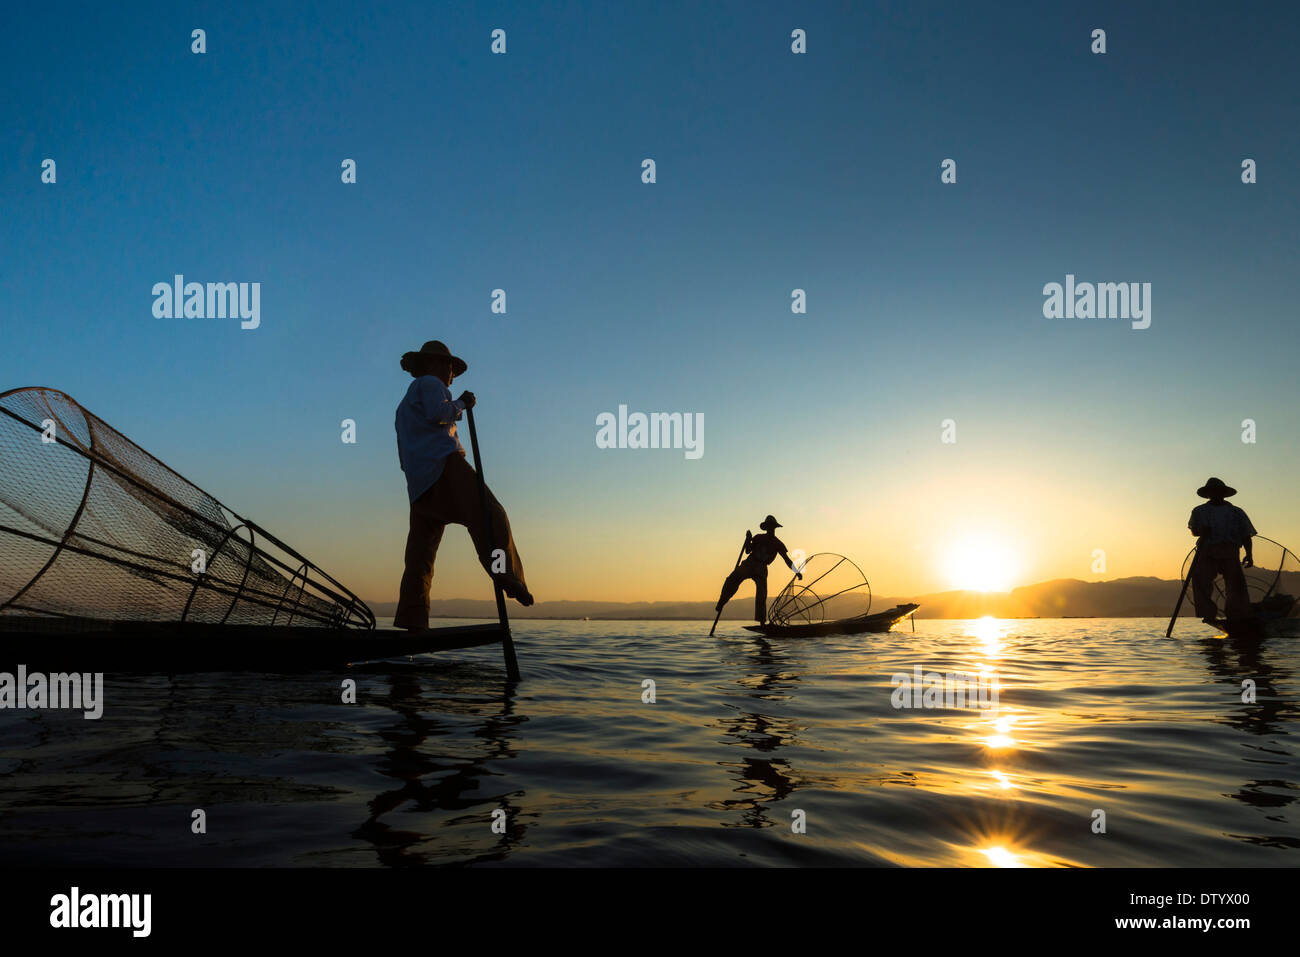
{"x": 92, "y": 527}
{"x": 832, "y": 588}
{"x": 1273, "y": 584}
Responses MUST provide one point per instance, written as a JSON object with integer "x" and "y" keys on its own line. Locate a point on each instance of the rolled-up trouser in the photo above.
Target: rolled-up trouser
{"x": 1210, "y": 562}
{"x": 452, "y": 500}
{"x": 745, "y": 570}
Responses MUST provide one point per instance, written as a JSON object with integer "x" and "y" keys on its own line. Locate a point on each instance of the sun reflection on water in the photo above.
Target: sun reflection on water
{"x": 1004, "y": 782}
{"x": 989, "y": 632}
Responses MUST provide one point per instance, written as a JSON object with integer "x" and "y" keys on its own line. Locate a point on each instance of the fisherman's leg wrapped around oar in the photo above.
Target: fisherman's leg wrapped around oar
{"x": 463, "y": 506}
{"x": 454, "y": 500}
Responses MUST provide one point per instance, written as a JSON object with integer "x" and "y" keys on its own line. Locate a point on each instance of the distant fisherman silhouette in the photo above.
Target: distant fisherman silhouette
{"x": 442, "y": 486}
{"x": 1222, "y": 530}
{"x": 762, "y": 549}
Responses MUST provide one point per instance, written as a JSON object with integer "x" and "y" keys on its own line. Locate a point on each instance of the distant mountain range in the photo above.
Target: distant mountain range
{"x": 1143, "y": 597}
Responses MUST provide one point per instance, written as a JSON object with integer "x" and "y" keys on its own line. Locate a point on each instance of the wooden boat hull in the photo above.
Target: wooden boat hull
{"x": 1257, "y": 629}
{"x": 1272, "y": 617}
{"x": 139, "y": 647}
{"x": 864, "y": 624}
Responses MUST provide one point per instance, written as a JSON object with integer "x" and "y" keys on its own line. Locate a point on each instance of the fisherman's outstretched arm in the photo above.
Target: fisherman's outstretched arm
{"x": 780, "y": 550}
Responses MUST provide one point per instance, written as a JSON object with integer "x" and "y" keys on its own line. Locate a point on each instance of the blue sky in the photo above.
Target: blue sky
{"x": 775, "y": 171}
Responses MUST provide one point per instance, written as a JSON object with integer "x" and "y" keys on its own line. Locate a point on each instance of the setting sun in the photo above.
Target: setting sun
{"x": 981, "y": 565}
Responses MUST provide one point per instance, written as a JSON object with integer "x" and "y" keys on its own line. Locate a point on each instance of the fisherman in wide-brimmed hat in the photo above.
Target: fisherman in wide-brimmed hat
{"x": 762, "y": 549}
{"x": 442, "y": 487}
{"x": 1221, "y": 531}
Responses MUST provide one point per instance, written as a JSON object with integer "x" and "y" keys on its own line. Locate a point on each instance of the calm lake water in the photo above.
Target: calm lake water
{"x": 1091, "y": 715}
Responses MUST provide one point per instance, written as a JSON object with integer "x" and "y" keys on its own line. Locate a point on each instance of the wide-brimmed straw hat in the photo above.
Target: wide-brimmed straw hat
{"x": 435, "y": 348}
{"x": 1214, "y": 488}
{"x": 770, "y": 524}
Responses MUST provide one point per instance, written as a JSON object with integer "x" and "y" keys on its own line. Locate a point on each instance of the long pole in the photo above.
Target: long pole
{"x": 733, "y": 568}
{"x": 507, "y": 642}
{"x": 1181, "y": 595}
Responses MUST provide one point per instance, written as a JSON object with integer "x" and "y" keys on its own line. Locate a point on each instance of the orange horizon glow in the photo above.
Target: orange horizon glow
{"x": 988, "y": 534}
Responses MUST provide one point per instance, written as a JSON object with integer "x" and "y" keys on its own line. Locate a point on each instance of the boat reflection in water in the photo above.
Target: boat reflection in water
{"x": 1255, "y": 678}
{"x": 767, "y": 676}
{"x": 743, "y": 734}
{"x": 440, "y": 808}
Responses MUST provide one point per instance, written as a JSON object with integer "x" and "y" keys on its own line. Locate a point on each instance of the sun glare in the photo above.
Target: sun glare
{"x": 981, "y": 565}
{"x": 1001, "y": 857}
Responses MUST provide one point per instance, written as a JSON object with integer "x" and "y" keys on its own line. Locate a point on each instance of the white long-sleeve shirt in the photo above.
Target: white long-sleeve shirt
{"x": 426, "y": 432}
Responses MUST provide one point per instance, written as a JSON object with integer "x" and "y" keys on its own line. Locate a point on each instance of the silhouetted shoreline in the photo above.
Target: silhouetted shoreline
{"x": 1138, "y": 597}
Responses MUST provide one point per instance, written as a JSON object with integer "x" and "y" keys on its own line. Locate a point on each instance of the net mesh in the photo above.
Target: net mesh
{"x": 93, "y": 527}
{"x": 832, "y": 588}
{"x": 1273, "y": 584}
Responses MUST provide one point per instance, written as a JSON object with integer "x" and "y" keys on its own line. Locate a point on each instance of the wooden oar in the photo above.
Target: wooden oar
{"x": 733, "y": 568}
{"x": 1169, "y": 632}
{"x": 507, "y": 642}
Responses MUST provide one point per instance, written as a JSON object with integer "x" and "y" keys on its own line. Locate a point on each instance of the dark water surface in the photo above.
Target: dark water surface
{"x": 1092, "y": 715}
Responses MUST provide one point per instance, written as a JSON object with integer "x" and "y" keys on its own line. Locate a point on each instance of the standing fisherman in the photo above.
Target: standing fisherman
{"x": 442, "y": 487}
{"x": 762, "y": 549}
{"x": 1221, "y": 530}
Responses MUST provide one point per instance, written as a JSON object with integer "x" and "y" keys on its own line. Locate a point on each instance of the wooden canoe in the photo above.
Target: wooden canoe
{"x": 863, "y": 624}
{"x": 1257, "y": 628}
{"x": 50, "y": 645}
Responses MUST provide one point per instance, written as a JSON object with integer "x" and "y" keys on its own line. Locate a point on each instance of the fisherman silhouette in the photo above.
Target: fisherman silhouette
{"x": 1221, "y": 531}
{"x": 442, "y": 487}
{"x": 762, "y": 549}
